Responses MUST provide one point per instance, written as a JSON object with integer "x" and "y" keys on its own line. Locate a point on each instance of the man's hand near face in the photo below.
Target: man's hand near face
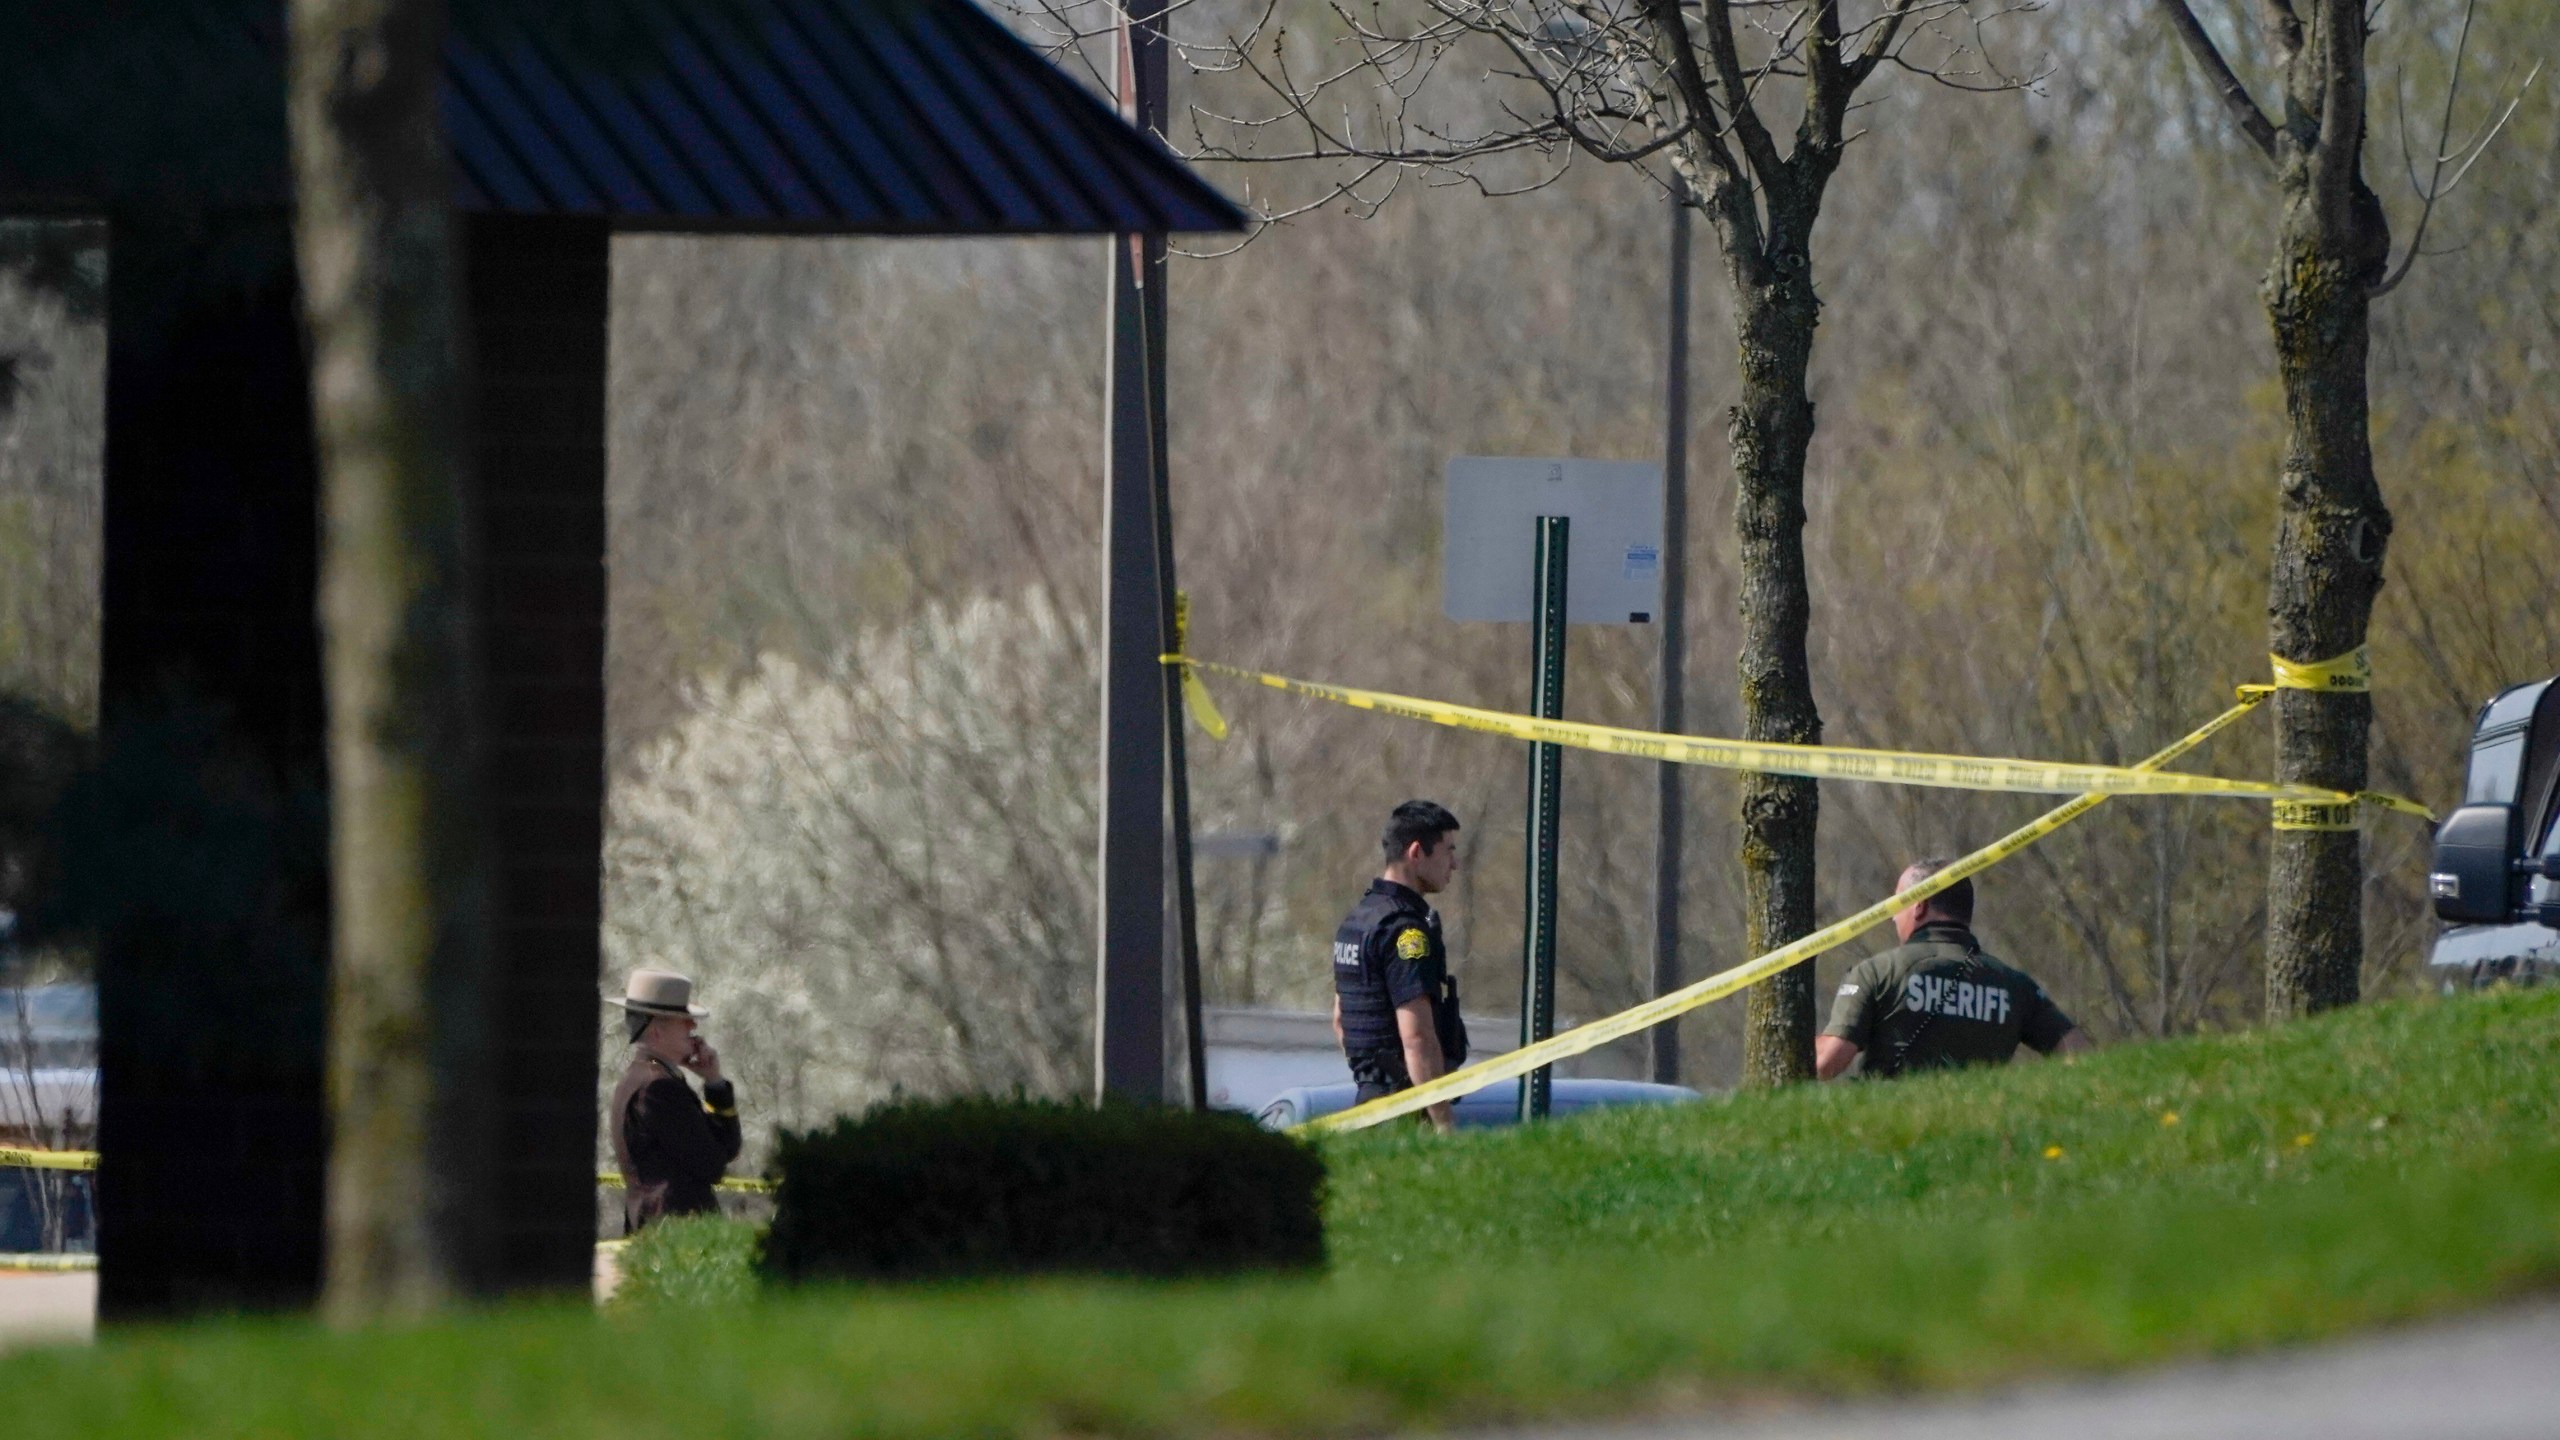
{"x": 702, "y": 1060}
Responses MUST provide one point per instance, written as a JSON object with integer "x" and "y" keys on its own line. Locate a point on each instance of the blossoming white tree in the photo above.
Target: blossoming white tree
{"x": 879, "y": 871}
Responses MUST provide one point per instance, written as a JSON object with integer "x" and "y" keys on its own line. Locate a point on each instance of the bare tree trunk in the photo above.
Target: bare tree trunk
{"x": 2333, "y": 251}
{"x": 1770, "y": 432}
{"x": 378, "y": 258}
{"x": 2331, "y": 530}
{"x": 2333, "y": 246}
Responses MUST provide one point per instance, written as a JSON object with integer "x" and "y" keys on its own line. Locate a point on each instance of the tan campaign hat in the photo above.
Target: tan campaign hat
{"x": 658, "y": 992}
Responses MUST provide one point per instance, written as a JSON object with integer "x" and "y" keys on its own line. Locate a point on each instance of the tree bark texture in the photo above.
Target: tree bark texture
{"x": 2332, "y": 247}
{"x": 1769, "y": 433}
{"x": 1763, "y": 204}
{"x": 376, "y": 244}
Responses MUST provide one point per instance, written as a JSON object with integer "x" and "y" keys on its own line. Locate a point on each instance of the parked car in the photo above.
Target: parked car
{"x": 1496, "y": 1104}
{"x": 2496, "y": 873}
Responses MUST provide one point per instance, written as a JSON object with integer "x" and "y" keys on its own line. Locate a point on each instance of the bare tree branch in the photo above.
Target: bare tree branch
{"x": 1730, "y": 190}
{"x": 2283, "y": 29}
{"x": 1664, "y": 85}
{"x": 2235, "y": 97}
{"x": 2436, "y": 186}
{"x": 1880, "y": 41}
{"x": 1757, "y": 147}
{"x": 2337, "y": 160}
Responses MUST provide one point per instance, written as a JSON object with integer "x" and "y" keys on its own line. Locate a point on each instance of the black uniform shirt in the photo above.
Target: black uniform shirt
{"x": 1388, "y": 952}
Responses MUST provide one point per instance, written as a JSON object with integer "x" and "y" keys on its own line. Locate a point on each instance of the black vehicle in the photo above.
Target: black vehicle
{"x": 2496, "y": 875}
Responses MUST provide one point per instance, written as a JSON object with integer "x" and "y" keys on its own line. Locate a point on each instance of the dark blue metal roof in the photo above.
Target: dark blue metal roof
{"x": 843, "y": 116}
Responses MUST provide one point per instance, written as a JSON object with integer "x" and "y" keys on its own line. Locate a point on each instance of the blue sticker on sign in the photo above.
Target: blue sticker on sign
{"x": 1642, "y": 560}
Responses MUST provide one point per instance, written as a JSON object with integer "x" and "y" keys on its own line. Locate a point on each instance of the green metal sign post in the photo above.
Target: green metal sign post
{"x": 1546, "y": 787}
{"x": 1612, "y": 511}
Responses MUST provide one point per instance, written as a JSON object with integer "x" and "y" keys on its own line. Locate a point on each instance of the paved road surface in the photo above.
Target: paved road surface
{"x": 2494, "y": 1377}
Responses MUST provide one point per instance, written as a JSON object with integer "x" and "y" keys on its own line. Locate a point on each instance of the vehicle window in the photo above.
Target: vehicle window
{"x": 2498, "y": 747}
{"x": 2541, "y": 766}
{"x": 2494, "y": 768}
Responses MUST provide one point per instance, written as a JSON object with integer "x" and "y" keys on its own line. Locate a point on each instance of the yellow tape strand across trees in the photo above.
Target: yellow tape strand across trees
{"x": 11, "y": 1155}
{"x": 1820, "y": 762}
{"x": 1716, "y": 987}
{"x": 2294, "y": 807}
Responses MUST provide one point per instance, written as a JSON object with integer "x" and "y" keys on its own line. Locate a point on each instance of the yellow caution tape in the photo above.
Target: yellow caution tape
{"x": 2348, "y": 674}
{"x": 1820, "y": 762}
{"x": 48, "y": 1159}
{"x": 746, "y": 1187}
{"x": 1195, "y": 691}
{"x": 1716, "y": 987}
{"x": 2314, "y": 815}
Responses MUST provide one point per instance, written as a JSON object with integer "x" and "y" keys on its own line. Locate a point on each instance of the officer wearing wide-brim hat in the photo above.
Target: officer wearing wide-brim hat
{"x": 671, "y": 1145}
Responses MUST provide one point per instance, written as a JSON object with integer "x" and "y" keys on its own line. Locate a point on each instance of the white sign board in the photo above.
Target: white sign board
{"x": 1488, "y": 540}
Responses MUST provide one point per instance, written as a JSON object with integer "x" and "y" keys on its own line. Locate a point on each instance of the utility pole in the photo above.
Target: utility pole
{"x": 1129, "y": 1035}
{"x": 1670, "y": 712}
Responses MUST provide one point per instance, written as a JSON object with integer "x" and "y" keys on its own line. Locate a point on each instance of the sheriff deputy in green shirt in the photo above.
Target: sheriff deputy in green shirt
{"x": 1936, "y": 1001}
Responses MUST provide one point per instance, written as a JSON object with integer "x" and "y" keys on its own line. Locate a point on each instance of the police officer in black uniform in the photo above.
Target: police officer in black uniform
{"x": 1395, "y": 1005}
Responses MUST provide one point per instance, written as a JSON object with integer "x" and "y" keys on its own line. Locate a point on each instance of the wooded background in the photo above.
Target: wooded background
{"x": 856, "y": 561}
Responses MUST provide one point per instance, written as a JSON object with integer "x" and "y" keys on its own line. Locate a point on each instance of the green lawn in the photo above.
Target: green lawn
{"x": 2377, "y": 1166}
{"x": 2387, "y": 1090}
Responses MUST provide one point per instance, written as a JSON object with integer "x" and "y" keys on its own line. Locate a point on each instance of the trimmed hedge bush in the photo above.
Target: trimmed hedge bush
{"x": 946, "y": 1189}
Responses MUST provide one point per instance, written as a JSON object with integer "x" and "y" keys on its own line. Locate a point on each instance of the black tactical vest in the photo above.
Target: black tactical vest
{"x": 1363, "y": 947}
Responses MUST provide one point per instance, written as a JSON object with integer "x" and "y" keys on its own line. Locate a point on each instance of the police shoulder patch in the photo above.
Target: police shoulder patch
{"x": 1412, "y": 944}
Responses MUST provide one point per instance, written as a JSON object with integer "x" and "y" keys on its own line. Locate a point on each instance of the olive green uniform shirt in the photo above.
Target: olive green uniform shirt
{"x": 1939, "y": 1002}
